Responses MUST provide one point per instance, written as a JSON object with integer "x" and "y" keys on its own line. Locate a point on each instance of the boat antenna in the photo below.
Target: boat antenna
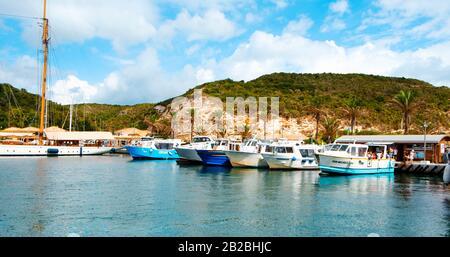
{"x": 45, "y": 40}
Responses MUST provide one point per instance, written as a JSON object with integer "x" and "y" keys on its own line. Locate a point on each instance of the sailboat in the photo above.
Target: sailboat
{"x": 58, "y": 143}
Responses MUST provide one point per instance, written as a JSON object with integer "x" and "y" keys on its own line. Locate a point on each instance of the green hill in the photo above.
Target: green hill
{"x": 298, "y": 93}
{"x": 18, "y": 108}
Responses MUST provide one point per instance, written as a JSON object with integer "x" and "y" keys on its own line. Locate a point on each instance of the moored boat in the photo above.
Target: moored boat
{"x": 353, "y": 159}
{"x": 65, "y": 143}
{"x": 217, "y": 156}
{"x": 249, "y": 154}
{"x": 189, "y": 153}
{"x": 150, "y": 148}
{"x": 62, "y": 144}
{"x": 292, "y": 155}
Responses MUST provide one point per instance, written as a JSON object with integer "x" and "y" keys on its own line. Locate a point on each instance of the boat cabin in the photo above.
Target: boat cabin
{"x": 406, "y": 147}
{"x": 201, "y": 139}
{"x": 371, "y": 151}
{"x": 79, "y": 138}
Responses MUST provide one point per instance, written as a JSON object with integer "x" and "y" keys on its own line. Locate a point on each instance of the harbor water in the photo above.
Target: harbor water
{"x": 115, "y": 196}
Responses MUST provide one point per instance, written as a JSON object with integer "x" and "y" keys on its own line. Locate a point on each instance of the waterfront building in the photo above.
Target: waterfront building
{"x": 402, "y": 145}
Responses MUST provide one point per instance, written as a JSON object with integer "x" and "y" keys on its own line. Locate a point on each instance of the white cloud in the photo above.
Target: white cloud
{"x": 21, "y": 73}
{"x": 142, "y": 81}
{"x": 266, "y": 53}
{"x": 413, "y": 18}
{"x": 253, "y": 18}
{"x": 213, "y": 25}
{"x": 73, "y": 90}
{"x": 334, "y": 21}
{"x": 332, "y": 24}
{"x": 124, "y": 23}
{"x": 300, "y": 26}
{"x": 204, "y": 75}
{"x": 340, "y": 6}
{"x": 280, "y": 4}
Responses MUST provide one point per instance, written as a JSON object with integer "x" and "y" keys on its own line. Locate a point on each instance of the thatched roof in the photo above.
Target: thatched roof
{"x": 21, "y": 130}
{"x": 54, "y": 129}
{"x": 131, "y": 132}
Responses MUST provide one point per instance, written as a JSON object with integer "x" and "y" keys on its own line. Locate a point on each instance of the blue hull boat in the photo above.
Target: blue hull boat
{"x": 139, "y": 152}
{"x": 212, "y": 157}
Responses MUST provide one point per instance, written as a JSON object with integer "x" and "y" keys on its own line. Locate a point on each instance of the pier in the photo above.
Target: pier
{"x": 420, "y": 168}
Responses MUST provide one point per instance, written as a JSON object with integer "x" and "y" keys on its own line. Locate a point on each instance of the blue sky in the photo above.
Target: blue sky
{"x": 127, "y": 52}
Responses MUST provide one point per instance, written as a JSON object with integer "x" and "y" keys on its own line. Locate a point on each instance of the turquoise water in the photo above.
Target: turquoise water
{"x": 114, "y": 196}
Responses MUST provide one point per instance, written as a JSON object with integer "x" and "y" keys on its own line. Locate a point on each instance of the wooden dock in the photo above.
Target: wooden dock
{"x": 420, "y": 168}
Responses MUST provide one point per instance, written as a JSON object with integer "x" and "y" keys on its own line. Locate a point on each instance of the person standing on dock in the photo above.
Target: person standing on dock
{"x": 446, "y": 159}
{"x": 446, "y": 156}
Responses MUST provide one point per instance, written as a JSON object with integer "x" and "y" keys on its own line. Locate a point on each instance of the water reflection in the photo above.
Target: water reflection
{"x": 447, "y": 216}
{"x": 116, "y": 197}
{"x": 360, "y": 183}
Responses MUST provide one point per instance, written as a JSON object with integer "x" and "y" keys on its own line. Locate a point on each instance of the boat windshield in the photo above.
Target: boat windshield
{"x": 307, "y": 152}
{"x": 282, "y": 149}
{"x": 340, "y": 148}
{"x": 164, "y": 146}
{"x": 200, "y": 139}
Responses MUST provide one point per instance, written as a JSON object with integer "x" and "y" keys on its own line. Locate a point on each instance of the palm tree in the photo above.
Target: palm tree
{"x": 315, "y": 109}
{"x": 352, "y": 109}
{"x": 405, "y": 102}
{"x": 330, "y": 126}
{"x": 246, "y": 133}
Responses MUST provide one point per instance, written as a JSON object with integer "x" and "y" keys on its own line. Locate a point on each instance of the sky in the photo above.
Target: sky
{"x": 136, "y": 51}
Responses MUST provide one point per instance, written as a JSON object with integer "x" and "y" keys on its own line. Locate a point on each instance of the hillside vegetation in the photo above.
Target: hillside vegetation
{"x": 18, "y": 108}
{"x": 301, "y": 95}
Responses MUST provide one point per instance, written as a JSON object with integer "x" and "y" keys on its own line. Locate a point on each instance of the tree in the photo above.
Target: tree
{"x": 352, "y": 109}
{"x": 330, "y": 126}
{"x": 246, "y": 133}
{"x": 405, "y": 102}
{"x": 315, "y": 109}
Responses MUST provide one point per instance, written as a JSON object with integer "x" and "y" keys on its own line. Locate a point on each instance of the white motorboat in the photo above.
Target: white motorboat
{"x": 249, "y": 154}
{"x": 188, "y": 152}
{"x": 292, "y": 155}
{"x": 351, "y": 159}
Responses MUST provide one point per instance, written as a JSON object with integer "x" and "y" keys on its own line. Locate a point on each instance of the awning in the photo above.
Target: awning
{"x": 79, "y": 135}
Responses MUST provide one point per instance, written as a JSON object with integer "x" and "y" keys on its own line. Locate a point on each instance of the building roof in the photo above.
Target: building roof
{"x": 16, "y": 134}
{"x": 21, "y": 130}
{"x": 54, "y": 129}
{"x": 131, "y": 131}
{"x": 79, "y": 135}
{"x": 402, "y": 139}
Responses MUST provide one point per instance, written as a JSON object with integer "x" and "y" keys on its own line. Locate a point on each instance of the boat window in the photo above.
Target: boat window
{"x": 254, "y": 143}
{"x": 343, "y": 148}
{"x": 200, "y": 139}
{"x": 353, "y": 151}
{"x": 362, "y": 151}
{"x": 307, "y": 152}
{"x": 335, "y": 147}
{"x": 164, "y": 146}
{"x": 223, "y": 143}
{"x": 280, "y": 149}
{"x": 289, "y": 150}
{"x": 269, "y": 149}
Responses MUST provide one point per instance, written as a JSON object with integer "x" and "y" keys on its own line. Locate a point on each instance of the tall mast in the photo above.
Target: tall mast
{"x": 44, "y": 71}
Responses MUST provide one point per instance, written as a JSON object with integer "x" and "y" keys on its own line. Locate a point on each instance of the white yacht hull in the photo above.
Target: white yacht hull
{"x": 286, "y": 162}
{"x": 44, "y": 150}
{"x": 189, "y": 154}
{"x": 350, "y": 166}
{"x": 245, "y": 159}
